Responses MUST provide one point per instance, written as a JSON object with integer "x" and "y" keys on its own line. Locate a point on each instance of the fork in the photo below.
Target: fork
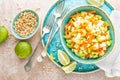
{"x": 48, "y": 25}
{"x": 59, "y": 23}
{"x": 57, "y": 14}
{"x": 46, "y": 30}
{"x": 43, "y": 54}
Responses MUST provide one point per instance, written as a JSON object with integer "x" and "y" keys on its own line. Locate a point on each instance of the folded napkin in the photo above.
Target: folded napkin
{"x": 111, "y": 64}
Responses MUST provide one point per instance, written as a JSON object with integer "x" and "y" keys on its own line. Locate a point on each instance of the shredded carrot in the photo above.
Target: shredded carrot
{"x": 83, "y": 29}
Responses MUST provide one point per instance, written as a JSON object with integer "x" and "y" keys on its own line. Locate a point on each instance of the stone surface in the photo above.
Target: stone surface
{"x": 12, "y": 68}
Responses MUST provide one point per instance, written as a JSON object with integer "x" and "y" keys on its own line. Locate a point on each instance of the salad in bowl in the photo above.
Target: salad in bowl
{"x": 87, "y": 34}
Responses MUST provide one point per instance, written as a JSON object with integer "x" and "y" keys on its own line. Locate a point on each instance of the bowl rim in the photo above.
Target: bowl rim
{"x": 69, "y": 53}
{"x": 33, "y": 32}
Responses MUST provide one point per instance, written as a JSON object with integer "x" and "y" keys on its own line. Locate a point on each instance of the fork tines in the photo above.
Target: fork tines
{"x": 49, "y": 20}
{"x": 60, "y": 5}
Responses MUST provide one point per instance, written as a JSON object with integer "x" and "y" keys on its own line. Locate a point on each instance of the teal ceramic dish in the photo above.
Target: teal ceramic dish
{"x": 29, "y": 35}
{"x": 56, "y": 44}
{"x": 105, "y": 18}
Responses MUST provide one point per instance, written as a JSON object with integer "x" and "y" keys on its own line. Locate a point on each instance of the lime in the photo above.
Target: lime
{"x": 23, "y": 49}
{"x": 96, "y": 2}
{"x": 63, "y": 57}
{"x": 70, "y": 67}
{"x": 3, "y": 34}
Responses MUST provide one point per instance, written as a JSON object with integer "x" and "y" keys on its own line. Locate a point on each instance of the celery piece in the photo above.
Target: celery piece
{"x": 72, "y": 50}
{"x": 98, "y": 38}
{"x": 105, "y": 29}
{"x": 85, "y": 52}
{"x": 69, "y": 41}
{"x": 78, "y": 41}
{"x": 69, "y": 45}
{"x": 84, "y": 39}
{"x": 81, "y": 54}
{"x": 108, "y": 35}
{"x": 102, "y": 29}
{"x": 95, "y": 40}
{"x": 83, "y": 13}
{"x": 94, "y": 55}
{"x": 109, "y": 42}
{"x": 99, "y": 17}
{"x": 66, "y": 37}
{"x": 89, "y": 50}
{"x": 73, "y": 19}
{"x": 69, "y": 28}
{"x": 81, "y": 41}
{"x": 76, "y": 51}
{"x": 88, "y": 28}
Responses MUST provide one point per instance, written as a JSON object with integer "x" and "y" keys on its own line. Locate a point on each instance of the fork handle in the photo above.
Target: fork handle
{"x": 28, "y": 65}
{"x": 43, "y": 54}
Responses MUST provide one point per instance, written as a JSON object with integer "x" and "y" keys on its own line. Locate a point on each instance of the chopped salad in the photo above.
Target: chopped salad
{"x": 87, "y": 35}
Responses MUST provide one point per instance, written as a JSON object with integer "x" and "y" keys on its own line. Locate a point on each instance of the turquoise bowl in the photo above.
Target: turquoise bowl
{"x": 66, "y": 20}
{"x": 29, "y": 35}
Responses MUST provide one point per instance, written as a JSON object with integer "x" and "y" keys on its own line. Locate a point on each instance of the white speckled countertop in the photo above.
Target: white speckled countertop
{"x": 11, "y": 68}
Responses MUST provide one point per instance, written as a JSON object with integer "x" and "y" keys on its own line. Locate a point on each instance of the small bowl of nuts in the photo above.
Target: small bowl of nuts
{"x": 25, "y": 24}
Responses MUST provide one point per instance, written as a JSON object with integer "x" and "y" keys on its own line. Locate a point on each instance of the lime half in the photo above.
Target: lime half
{"x": 96, "y": 2}
{"x": 3, "y": 34}
{"x": 63, "y": 57}
{"x": 23, "y": 49}
{"x": 70, "y": 67}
